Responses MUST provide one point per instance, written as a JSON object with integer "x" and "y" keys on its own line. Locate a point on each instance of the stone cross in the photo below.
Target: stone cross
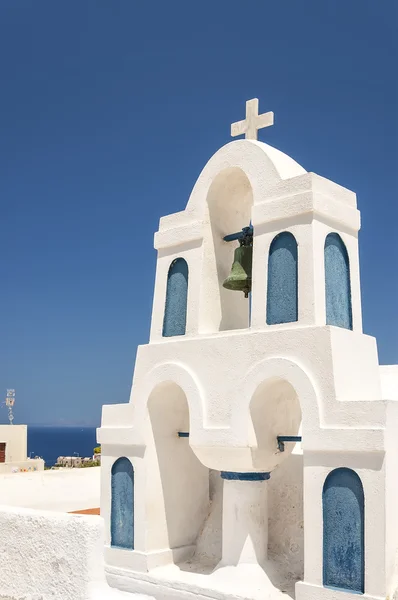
{"x": 253, "y": 121}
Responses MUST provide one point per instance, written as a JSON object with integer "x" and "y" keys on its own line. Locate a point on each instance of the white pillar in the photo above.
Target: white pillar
{"x": 245, "y": 518}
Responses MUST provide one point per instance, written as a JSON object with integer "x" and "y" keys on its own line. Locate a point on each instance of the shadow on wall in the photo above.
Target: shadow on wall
{"x": 209, "y": 542}
{"x": 229, "y": 201}
{"x": 184, "y": 481}
{"x": 286, "y": 520}
{"x": 274, "y": 410}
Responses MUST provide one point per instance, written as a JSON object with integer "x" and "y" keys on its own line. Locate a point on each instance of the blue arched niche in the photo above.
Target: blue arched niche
{"x": 343, "y": 531}
{"x": 175, "y": 313}
{"x": 282, "y": 294}
{"x": 122, "y": 504}
{"x": 337, "y": 283}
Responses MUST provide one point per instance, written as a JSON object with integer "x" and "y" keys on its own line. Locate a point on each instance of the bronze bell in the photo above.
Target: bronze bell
{"x": 240, "y": 278}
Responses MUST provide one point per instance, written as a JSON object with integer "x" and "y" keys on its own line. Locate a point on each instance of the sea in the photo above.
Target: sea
{"x": 51, "y": 442}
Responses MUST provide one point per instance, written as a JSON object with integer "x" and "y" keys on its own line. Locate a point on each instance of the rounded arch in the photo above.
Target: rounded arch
{"x": 122, "y": 504}
{"x": 229, "y": 205}
{"x": 274, "y": 410}
{"x": 263, "y": 165}
{"x": 179, "y": 374}
{"x": 286, "y": 370}
{"x": 343, "y": 508}
{"x": 176, "y": 476}
{"x": 234, "y": 179}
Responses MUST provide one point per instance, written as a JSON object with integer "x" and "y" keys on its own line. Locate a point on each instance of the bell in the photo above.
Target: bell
{"x": 240, "y": 278}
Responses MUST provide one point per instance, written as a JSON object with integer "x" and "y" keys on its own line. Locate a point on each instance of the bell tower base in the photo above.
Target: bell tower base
{"x": 179, "y": 582}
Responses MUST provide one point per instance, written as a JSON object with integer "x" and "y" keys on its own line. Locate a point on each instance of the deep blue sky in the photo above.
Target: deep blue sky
{"x": 110, "y": 109}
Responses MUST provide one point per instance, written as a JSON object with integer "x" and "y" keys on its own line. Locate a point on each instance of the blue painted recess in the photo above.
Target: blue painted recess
{"x": 343, "y": 531}
{"x": 337, "y": 283}
{"x": 282, "y": 294}
{"x": 122, "y": 504}
{"x": 175, "y": 313}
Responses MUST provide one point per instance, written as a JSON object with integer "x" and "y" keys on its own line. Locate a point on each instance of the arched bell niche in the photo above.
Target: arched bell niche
{"x": 343, "y": 531}
{"x": 122, "y": 504}
{"x": 175, "y": 311}
{"x": 337, "y": 283}
{"x": 229, "y": 203}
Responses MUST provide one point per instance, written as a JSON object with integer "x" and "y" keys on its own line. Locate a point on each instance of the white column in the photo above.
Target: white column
{"x": 245, "y": 519}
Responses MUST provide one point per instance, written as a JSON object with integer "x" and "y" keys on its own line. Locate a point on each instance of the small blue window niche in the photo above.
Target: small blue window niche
{"x": 343, "y": 531}
{"x": 337, "y": 283}
{"x": 122, "y": 504}
{"x": 282, "y": 291}
{"x": 175, "y": 314}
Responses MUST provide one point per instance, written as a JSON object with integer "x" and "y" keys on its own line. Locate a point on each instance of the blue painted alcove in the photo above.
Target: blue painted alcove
{"x": 337, "y": 283}
{"x": 122, "y": 504}
{"x": 282, "y": 302}
{"x": 343, "y": 531}
{"x": 175, "y": 313}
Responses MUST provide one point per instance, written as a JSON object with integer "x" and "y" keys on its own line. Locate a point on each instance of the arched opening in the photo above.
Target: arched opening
{"x": 122, "y": 504}
{"x": 179, "y": 481}
{"x": 229, "y": 203}
{"x": 275, "y": 410}
{"x": 337, "y": 283}
{"x": 343, "y": 531}
{"x": 175, "y": 312}
{"x": 282, "y": 287}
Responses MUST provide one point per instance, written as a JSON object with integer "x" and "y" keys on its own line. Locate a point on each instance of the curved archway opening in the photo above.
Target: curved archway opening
{"x": 179, "y": 481}
{"x": 275, "y": 410}
{"x": 229, "y": 203}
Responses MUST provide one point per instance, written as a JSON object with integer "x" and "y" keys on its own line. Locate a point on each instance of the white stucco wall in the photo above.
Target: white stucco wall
{"x": 51, "y": 556}
{"x": 246, "y": 385}
{"x": 15, "y": 438}
{"x": 389, "y": 381}
{"x": 64, "y": 490}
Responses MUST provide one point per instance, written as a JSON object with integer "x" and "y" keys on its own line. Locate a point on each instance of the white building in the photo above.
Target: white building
{"x": 206, "y": 490}
{"x": 13, "y": 450}
{"x": 198, "y": 493}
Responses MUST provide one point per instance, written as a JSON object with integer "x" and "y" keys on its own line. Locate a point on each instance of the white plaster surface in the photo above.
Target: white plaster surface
{"x": 242, "y": 386}
{"x": 245, "y": 523}
{"x": 52, "y": 556}
{"x": 64, "y": 490}
{"x": 389, "y": 381}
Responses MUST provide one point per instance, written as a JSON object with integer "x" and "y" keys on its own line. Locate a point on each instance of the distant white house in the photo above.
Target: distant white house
{"x": 13, "y": 451}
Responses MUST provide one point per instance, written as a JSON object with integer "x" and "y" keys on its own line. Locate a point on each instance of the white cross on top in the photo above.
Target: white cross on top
{"x": 253, "y": 121}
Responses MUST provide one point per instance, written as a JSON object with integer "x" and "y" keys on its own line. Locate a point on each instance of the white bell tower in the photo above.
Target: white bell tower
{"x": 203, "y": 472}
